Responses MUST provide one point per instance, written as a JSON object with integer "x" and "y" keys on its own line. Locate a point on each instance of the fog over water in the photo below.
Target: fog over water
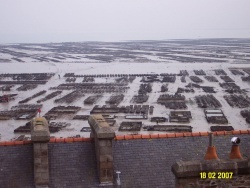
{"x": 32, "y": 21}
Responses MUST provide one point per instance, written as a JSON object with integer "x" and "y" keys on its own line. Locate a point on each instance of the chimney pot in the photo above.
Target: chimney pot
{"x": 235, "y": 150}
{"x": 211, "y": 153}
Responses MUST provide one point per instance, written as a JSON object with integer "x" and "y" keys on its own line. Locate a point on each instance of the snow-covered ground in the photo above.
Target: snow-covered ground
{"x": 198, "y": 121}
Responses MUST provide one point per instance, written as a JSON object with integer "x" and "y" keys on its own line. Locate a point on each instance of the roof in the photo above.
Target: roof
{"x": 144, "y": 160}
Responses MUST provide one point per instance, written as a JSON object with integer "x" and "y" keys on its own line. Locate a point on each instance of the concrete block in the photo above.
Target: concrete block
{"x": 106, "y": 175}
{"x": 209, "y": 165}
{"x": 37, "y": 146}
{"x": 106, "y": 179}
{"x": 92, "y": 135}
{"x": 100, "y": 127}
{"x": 45, "y": 176}
{"x": 44, "y": 146}
{"x": 44, "y": 160}
{"x": 186, "y": 169}
{"x": 37, "y": 161}
{"x": 39, "y": 130}
{"x": 37, "y": 153}
{"x": 227, "y": 166}
{"x": 105, "y": 142}
{"x": 219, "y": 165}
{"x": 105, "y": 150}
{"x": 40, "y": 181}
{"x": 105, "y": 158}
{"x": 106, "y": 165}
{"x": 44, "y": 153}
{"x": 41, "y": 168}
{"x": 243, "y": 166}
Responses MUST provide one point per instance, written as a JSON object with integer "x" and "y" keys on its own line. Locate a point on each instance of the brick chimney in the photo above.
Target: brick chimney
{"x": 103, "y": 135}
{"x": 40, "y": 137}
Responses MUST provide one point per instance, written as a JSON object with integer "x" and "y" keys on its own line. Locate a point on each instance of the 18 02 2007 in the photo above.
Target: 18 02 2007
{"x": 216, "y": 175}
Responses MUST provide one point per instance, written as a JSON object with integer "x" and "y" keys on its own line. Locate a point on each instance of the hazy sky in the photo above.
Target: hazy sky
{"x": 116, "y": 20}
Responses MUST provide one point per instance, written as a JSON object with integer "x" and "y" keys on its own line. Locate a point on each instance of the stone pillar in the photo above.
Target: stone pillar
{"x": 40, "y": 137}
{"x": 103, "y": 135}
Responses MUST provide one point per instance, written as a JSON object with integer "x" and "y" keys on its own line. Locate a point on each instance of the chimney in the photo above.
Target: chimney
{"x": 103, "y": 135}
{"x": 235, "y": 151}
{"x": 40, "y": 137}
{"x": 211, "y": 150}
